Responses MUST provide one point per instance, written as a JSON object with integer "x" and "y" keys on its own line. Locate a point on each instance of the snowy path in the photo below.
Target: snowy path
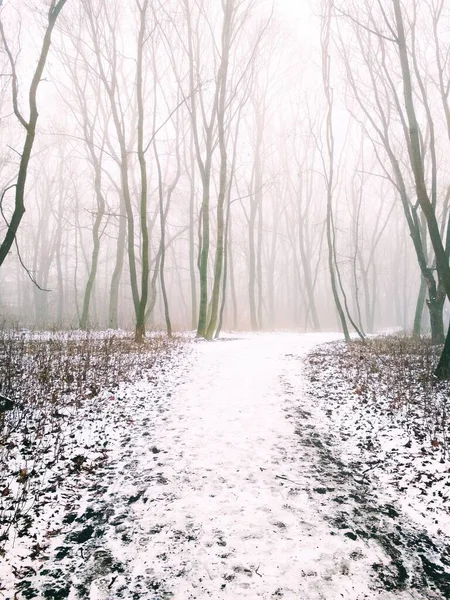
{"x": 214, "y": 488}
{"x": 234, "y": 528}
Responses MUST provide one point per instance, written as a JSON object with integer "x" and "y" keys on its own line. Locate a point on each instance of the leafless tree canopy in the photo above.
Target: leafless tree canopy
{"x": 234, "y": 164}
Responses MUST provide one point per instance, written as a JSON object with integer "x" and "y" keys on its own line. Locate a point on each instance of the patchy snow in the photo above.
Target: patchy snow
{"x": 214, "y": 475}
{"x": 401, "y": 436}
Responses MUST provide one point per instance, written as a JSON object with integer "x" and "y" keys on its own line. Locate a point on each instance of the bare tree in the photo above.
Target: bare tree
{"x": 328, "y": 160}
{"x": 29, "y": 124}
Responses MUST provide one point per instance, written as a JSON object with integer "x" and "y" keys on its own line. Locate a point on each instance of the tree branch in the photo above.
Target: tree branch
{"x": 377, "y": 33}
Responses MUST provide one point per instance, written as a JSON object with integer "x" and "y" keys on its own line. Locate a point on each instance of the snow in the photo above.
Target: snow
{"x": 405, "y": 469}
{"x": 208, "y": 477}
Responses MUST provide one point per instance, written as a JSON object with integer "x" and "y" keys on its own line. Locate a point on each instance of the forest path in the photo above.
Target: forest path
{"x": 218, "y": 486}
{"x": 234, "y": 506}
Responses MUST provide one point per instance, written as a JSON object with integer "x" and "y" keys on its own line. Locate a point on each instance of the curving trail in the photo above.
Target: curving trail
{"x": 219, "y": 485}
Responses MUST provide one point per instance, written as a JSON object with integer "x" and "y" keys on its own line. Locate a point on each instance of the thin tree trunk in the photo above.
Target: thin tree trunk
{"x": 222, "y": 83}
{"x": 329, "y": 175}
{"x": 84, "y": 320}
{"x": 118, "y": 268}
{"x": 29, "y": 126}
{"x": 192, "y": 276}
{"x": 145, "y": 267}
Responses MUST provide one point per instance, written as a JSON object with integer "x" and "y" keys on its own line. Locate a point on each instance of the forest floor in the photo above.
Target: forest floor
{"x": 257, "y": 466}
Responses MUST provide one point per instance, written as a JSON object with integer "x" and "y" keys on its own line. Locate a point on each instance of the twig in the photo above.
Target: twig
{"x": 286, "y": 479}
{"x": 27, "y": 270}
{"x": 376, "y": 463}
{"x": 2, "y": 197}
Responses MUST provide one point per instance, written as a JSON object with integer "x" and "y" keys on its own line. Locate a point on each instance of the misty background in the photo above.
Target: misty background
{"x": 235, "y": 164}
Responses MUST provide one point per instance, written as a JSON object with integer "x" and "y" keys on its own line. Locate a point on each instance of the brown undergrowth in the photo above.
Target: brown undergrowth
{"x": 393, "y": 373}
{"x": 45, "y": 379}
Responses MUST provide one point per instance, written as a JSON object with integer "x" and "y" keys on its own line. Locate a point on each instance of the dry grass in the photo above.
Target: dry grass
{"x": 395, "y": 373}
{"x": 49, "y": 377}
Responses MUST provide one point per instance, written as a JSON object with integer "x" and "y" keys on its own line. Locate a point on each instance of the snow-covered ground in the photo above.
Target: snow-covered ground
{"x": 216, "y": 475}
{"x": 401, "y": 434}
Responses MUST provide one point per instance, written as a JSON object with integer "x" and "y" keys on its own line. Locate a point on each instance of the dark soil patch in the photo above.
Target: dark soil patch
{"x": 417, "y": 560}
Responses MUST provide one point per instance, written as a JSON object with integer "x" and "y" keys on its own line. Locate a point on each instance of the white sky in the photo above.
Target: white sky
{"x": 296, "y": 8}
{"x": 301, "y": 16}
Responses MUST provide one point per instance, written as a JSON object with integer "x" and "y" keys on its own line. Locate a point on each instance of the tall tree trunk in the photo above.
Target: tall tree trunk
{"x": 84, "y": 320}
{"x": 230, "y": 255}
{"x": 308, "y": 280}
{"x": 145, "y": 267}
{"x": 329, "y": 167}
{"x": 259, "y": 257}
{"x": 222, "y": 83}
{"x": 113, "y": 318}
{"x": 252, "y": 265}
{"x": 192, "y": 276}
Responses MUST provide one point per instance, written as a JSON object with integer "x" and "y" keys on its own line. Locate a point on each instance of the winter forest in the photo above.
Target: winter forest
{"x": 224, "y": 299}
{"x": 246, "y": 165}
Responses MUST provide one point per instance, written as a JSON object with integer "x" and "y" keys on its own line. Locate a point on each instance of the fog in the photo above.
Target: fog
{"x": 235, "y": 164}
